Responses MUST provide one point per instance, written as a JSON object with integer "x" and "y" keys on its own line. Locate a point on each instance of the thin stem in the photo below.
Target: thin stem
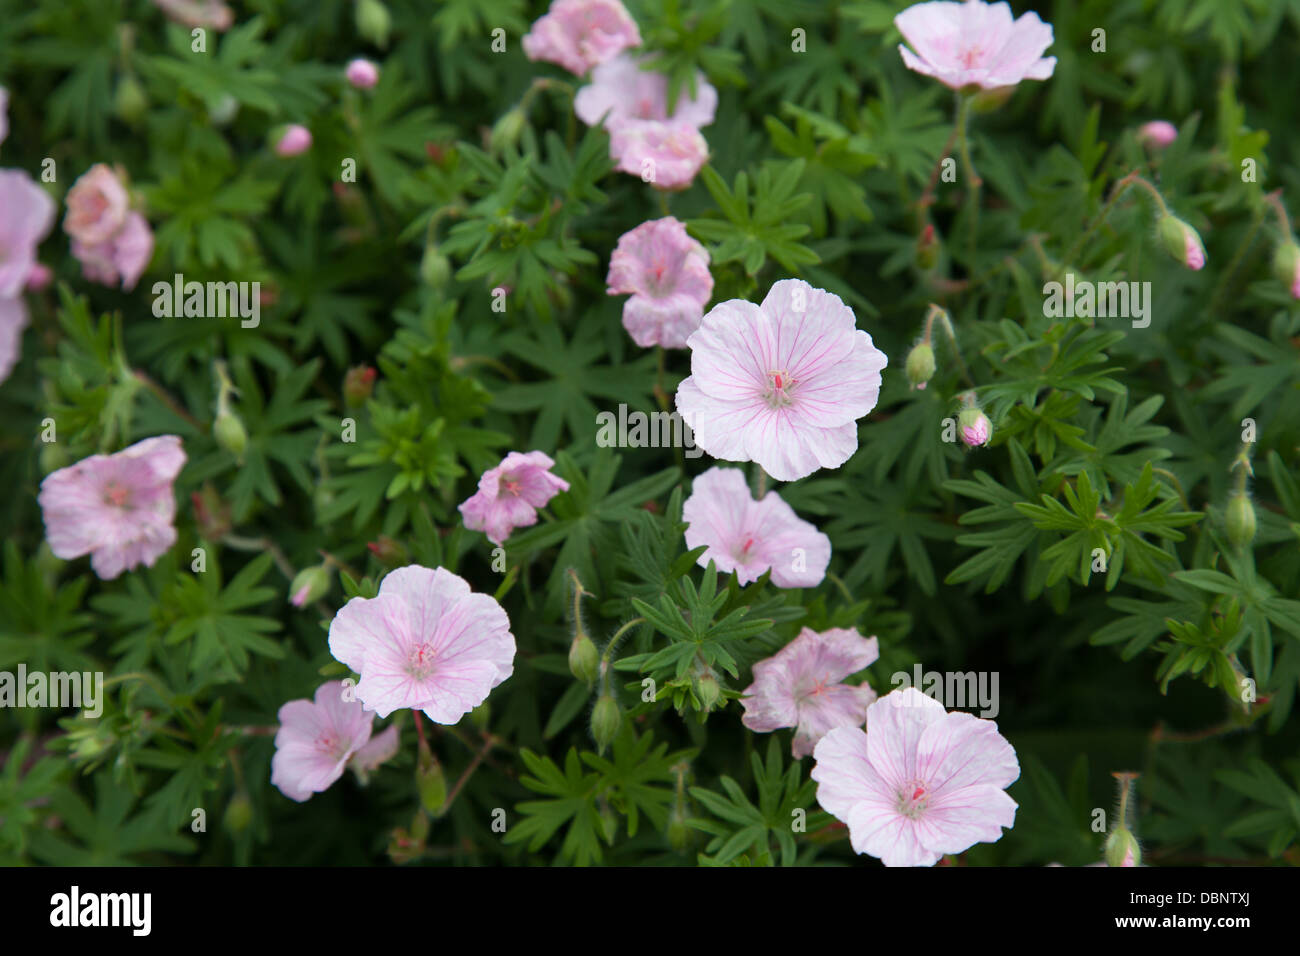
{"x": 172, "y": 404}
{"x": 1274, "y": 200}
{"x": 973, "y": 192}
{"x": 1230, "y": 272}
{"x": 1120, "y": 187}
{"x": 464, "y": 777}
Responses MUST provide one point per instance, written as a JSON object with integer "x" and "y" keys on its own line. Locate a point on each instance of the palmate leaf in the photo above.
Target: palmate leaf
{"x": 22, "y": 790}
{"x": 103, "y": 832}
{"x": 754, "y": 232}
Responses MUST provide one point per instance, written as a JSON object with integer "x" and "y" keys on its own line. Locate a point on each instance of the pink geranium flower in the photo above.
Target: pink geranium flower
{"x": 317, "y": 741}
{"x": 802, "y": 686}
{"x": 122, "y": 258}
{"x": 116, "y": 508}
{"x": 667, "y": 155}
{"x": 581, "y": 34}
{"x": 425, "y": 642}
{"x": 920, "y": 783}
{"x": 509, "y": 495}
{"x": 975, "y": 44}
{"x": 667, "y": 274}
{"x": 13, "y": 319}
{"x": 97, "y": 206}
{"x": 620, "y": 91}
{"x": 749, "y": 537}
{"x": 212, "y": 14}
{"x": 782, "y": 384}
{"x": 26, "y": 217}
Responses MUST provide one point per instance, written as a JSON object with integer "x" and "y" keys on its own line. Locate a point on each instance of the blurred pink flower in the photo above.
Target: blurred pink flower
{"x": 509, "y": 495}
{"x": 362, "y": 74}
{"x": 13, "y": 319}
{"x": 802, "y": 686}
{"x": 749, "y": 537}
{"x": 97, "y": 206}
{"x": 293, "y": 141}
{"x": 667, "y": 274}
{"x": 975, "y": 44}
{"x": 920, "y": 783}
{"x": 197, "y": 13}
{"x": 665, "y": 154}
{"x": 581, "y": 34}
{"x": 26, "y": 216}
{"x": 317, "y": 739}
{"x": 116, "y": 508}
{"x": 122, "y": 258}
{"x": 39, "y": 278}
{"x": 426, "y": 642}
{"x": 620, "y": 91}
{"x": 1157, "y": 133}
{"x": 378, "y": 751}
{"x": 782, "y": 384}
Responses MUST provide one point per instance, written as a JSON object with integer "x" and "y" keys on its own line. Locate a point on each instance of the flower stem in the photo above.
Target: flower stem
{"x": 973, "y": 190}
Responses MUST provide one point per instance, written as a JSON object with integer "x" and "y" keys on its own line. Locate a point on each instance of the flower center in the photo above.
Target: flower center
{"x": 744, "y": 553}
{"x": 645, "y": 109}
{"x": 780, "y": 389}
{"x": 511, "y": 484}
{"x": 913, "y": 798}
{"x": 421, "y": 660}
{"x": 116, "y": 494}
{"x": 329, "y": 744}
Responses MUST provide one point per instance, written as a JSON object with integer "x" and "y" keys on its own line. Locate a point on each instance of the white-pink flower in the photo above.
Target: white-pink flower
{"x": 748, "y": 537}
{"x": 318, "y": 739}
{"x": 620, "y": 91}
{"x": 581, "y": 34}
{"x": 121, "y": 258}
{"x": 362, "y": 74}
{"x": 26, "y": 217}
{"x": 509, "y": 495}
{"x": 782, "y": 383}
{"x": 920, "y": 783}
{"x": 116, "y": 508}
{"x": 975, "y": 44}
{"x": 667, "y": 274}
{"x": 802, "y": 686}
{"x": 427, "y": 642}
{"x": 665, "y": 154}
{"x": 212, "y": 14}
{"x": 13, "y": 319}
{"x": 97, "y": 206}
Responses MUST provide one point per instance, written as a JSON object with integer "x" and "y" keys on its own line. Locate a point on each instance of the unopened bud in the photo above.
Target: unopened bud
{"x": 1240, "y": 520}
{"x": 927, "y": 249}
{"x": 1286, "y": 266}
{"x": 358, "y": 384}
{"x": 507, "y": 130}
{"x": 605, "y": 721}
{"x": 374, "y": 22}
{"x": 230, "y": 433}
{"x": 1157, "y": 134}
{"x": 1182, "y": 242}
{"x": 708, "y": 689}
{"x": 390, "y": 552}
{"x": 239, "y": 813}
{"x": 310, "y": 584}
{"x": 429, "y": 779}
{"x": 584, "y": 658}
{"x": 129, "y": 100}
{"x": 1122, "y": 848}
{"x": 435, "y": 268}
{"x": 920, "y": 365}
{"x": 976, "y": 429}
{"x": 679, "y": 832}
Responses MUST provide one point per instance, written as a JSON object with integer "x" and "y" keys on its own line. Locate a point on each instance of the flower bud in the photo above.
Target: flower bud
{"x": 584, "y": 659}
{"x": 920, "y": 365}
{"x": 129, "y": 100}
{"x": 293, "y": 140}
{"x": 310, "y": 584}
{"x": 362, "y": 74}
{"x": 1157, "y": 134}
{"x": 927, "y": 249}
{"x": 507, "y": 130}
{"x": 1122, "y": 848}
{"x": 1286, "y": 266}
{"x": 239, "y": 813}
{"x": 389, "y": 552}
{"x": 358, "y": 384}
{"x": 230, "y": 433}
{"x": 429, "y": 779}
{"x": 1182, "y": 241}
{"x": 224, "y": 111}
{"x": 605, "y": 721}
{"x": 679, "y": 832}
{"x": 435, "y": 268}
{"x": 1240, "y": 520}
{"x": 374, "y": 22}
{"x": 708, "y": 689}
{"x": 976, "y": 429}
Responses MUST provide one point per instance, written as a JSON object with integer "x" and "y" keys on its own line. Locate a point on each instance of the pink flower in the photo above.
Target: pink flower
{"x": 317, "y": 740}
{"x": 116, "y": 508}
{"x": 122, "y": 258}
{"x": 13, "y": 319}
{"x": 667, "y": 155}
{"x": 667, "y": 274}
{"x": 425, "y": 642}
{"x": 976, "y": 429}
{"x": 581, "y": 34}
{"x": 39, "y": 278}
{"x": 802, "y": 686}
{"x": 1157, "y": 134}
{"x": 750, "y": 537}
{"x": 782, "y": 384}
{"x": 97, "y": 206}
{"x": 975, "y": 44}
{"x": 26, "y": 216}
{"x": 621, "y": 91}
{"x": 919, "y": 783}
{"x": 295, "y": 140}
{"x": 197, "y": 13}
{"x": 509, "y": 495}
{"x": 362, "y": 74}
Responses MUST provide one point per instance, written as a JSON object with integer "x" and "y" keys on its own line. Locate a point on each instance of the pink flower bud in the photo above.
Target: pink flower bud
{"x": 362, "y": 74}
{"x": 976, "y": 429}
{"x": 39, "y": 277}
{"x": 1157, "y": 134}
{"x": 293, "y": 141}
